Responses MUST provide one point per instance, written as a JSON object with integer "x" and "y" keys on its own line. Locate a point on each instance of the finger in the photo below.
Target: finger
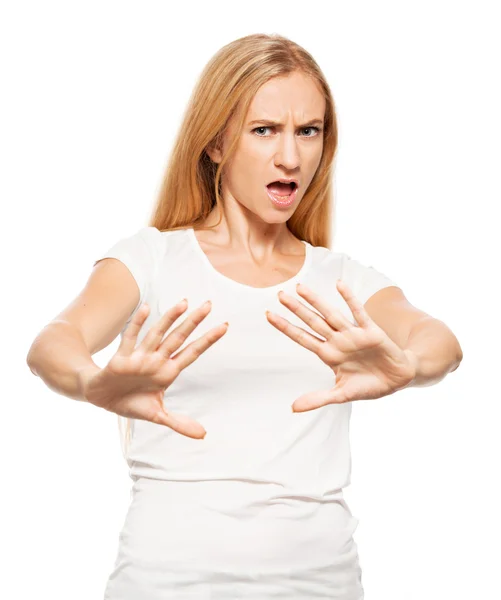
{"x": 192, "y": 351}
{"x": 299, "y": 335}
{"x": 129, "y": 336}
{"x": 179, "y": 423}
{"x": 334, "y": 317}
{"x": 356, "y": 307}
{"x": 177, "y": 337}
{"x": 317, "y": 399}
{"x": 137, "y": 406}
{"x": 310, "y": 317}
{"x": 157, "y": 331}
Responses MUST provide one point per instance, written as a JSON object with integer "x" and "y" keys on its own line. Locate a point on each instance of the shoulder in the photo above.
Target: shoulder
{"x": 363, "y": 278}
{"x": 327, "y": 258}
{"x": 141, "y": 237}
{"x": 151, "y": 240}
{"x": 151, "y": 236}
{"x": 347, "y": 263}
{"x": 139, "y": 250}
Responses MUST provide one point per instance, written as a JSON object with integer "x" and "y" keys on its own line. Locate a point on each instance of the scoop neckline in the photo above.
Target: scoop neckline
{"x": 304, "y": 268}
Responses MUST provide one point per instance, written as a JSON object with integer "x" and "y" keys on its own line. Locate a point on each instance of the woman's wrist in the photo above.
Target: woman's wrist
{"x": 85, "y": 374}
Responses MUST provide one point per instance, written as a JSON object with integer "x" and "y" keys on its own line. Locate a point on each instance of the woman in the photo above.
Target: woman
{"x": 235, "y": 495}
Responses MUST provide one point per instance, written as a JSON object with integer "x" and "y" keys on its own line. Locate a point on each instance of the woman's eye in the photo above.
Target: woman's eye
{"x": 260, "y": 128}
{"x": 317, "y": 129}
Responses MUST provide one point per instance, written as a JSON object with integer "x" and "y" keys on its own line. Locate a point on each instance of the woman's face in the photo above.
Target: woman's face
{"x": 292, "y": 148}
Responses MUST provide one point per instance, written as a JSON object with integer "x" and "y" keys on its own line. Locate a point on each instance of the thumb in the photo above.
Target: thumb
{"x": 179, "y": 423}
{"x": 318, "y": 398}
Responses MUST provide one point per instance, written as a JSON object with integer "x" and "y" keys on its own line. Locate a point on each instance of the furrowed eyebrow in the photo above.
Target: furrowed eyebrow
{"x": 275, "y": 123}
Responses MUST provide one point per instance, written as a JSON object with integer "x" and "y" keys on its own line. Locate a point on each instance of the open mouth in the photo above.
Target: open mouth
{"x": 282, "y": 194}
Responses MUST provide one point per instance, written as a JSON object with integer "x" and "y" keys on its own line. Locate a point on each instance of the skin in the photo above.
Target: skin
{"x": 369, "y": 360}
{"x": 252, "y": 239}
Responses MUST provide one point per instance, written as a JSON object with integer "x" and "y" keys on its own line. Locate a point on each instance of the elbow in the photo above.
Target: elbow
{"x": 31, "y": 356}
{"x": 29, "y": 362}
{"x": 459, "y": 358}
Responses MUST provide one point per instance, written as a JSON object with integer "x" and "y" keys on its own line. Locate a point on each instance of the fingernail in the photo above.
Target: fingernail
{"x": 208, "y": 303}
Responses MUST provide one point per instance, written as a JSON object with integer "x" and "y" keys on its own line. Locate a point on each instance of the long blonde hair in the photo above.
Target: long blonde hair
{"x": 191, "y": 185}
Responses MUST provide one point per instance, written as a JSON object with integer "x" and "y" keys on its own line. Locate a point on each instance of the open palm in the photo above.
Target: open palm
{"x": 366, "y": 362}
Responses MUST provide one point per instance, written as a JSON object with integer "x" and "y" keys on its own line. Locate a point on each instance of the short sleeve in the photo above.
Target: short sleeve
{"x": 364, "y": 281}
{"x": 138, "y": 253}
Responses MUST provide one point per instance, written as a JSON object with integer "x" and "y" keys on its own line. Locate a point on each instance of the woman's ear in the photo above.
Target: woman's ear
{"x": 214, "y": 152}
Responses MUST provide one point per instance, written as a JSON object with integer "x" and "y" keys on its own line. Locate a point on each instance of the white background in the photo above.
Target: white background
{"x": 92, "y": 96}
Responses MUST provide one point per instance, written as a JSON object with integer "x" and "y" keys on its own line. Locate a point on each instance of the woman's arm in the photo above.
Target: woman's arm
{"x": 61, "y": 359}
{"x": 61, "y": 354}
{"x": 434, "y": 349}
{"x": 427, "y": 341}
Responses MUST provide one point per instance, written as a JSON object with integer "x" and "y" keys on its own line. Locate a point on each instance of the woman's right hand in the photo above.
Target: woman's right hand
{"x": 133, "y": 383}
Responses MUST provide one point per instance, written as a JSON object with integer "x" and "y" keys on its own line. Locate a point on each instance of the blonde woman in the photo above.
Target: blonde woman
{"x": 244, "y": 341}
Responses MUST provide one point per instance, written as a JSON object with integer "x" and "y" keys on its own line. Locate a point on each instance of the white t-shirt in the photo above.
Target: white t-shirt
{"x": 256, "y": 508}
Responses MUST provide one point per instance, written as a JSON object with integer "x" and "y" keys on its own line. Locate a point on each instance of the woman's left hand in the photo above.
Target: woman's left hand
{"x": 366, "y": 362}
